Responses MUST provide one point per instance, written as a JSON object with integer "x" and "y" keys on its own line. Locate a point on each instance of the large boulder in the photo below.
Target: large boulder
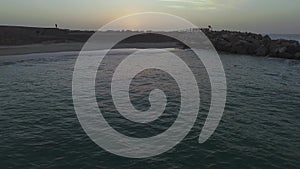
{"x": 298, "y": 49}
{"x": 286, "y": 55}
{"x": 222, "y": 45}
{"x": 297, "y": 55}
{"x": 281, "y": 50}
{"x": 239, "y": 47}
{"x": 274, "y": 48}
{"x": 266, "y": 40}
{"x": 244, "y": 47}
{"x": 262, "y": 51}
{"x": 292, "y": 49}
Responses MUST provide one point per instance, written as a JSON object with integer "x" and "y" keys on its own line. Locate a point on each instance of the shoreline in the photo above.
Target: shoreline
{"x": 75, "y": 47}
{"x": 39, "y": 48}
{"x": 20, "y": 50}
{"x": 16, "y": 40}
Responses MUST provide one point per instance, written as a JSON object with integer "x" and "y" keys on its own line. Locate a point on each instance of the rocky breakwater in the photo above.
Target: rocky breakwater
{"x": 253, "y": 44}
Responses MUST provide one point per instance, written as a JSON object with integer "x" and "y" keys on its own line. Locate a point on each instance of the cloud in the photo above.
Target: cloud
{"x": 176, "y": 6}
{"x": 197, "y": 4}
{"x": 185, "y": 1}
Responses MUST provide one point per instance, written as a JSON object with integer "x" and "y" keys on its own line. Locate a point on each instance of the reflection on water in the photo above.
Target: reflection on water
{"x": 259, "y": 129}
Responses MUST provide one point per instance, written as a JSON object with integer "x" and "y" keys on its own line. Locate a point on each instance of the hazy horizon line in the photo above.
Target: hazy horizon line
{"x": 84, "y": 29}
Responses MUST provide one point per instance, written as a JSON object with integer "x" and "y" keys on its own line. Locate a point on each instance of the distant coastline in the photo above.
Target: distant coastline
{"x": 285, "y": 36}
{"x": 24, "y": 40}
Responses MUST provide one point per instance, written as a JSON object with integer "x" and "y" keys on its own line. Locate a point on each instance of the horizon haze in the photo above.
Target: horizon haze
{"x": 268, "y": 16}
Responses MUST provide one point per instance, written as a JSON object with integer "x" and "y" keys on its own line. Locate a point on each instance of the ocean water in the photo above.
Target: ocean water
{"x": 286, "y": 36}
{"x": 260, "y": 127}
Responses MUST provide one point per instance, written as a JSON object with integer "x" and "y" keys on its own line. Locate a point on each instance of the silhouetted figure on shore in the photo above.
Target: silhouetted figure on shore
{"x": 56, "y": 26}
{"x": 209, "y": 28}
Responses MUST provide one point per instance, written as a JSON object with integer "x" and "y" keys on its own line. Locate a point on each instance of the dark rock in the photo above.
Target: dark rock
{"x": 292, "y": 49}
{"x": 282, "y": 50}
{"x": 286, "y": 55}
{"x": 266, "y": 40}
{"x": 262, "y": 51}
{"x": 253, "y": 44}
{"x": 267, "y": 37}
{"x": 274, "y": 48}
{"x": 240, "y": 47}
{"x": 297, "y": 55}
{"x": 298, "y": 49}
{"x": 226, "y": 37}
{"x": 222, "y": 45}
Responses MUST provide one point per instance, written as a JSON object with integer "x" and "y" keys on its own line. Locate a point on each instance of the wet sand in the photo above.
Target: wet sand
{"x": 40, "y": 48}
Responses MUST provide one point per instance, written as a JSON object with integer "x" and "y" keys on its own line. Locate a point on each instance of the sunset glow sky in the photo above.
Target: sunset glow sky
{"x": 262, "y": 16}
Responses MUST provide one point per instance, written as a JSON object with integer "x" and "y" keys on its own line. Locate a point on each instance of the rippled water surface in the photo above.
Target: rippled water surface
{"x": 259, "y": 129}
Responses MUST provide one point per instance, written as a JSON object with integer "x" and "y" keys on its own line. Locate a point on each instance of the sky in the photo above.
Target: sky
{"x": 261, "y": 16}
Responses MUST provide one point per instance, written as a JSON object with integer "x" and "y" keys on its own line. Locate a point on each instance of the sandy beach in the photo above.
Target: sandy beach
{"x": 40, "y": 48}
